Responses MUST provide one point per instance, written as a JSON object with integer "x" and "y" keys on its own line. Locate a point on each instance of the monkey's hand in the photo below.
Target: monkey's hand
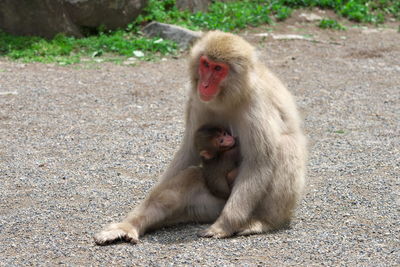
{"x": 214, "y": 231}
{"x": 117, "y": 231}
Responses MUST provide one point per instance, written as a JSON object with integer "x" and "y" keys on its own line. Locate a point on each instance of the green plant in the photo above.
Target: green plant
{"x": 231, "y": 16}
{"x": 68, "y": 50}
{"x": 331, "y": 24}
{"x": 38, "y": 49}
{"x": 281, "y": 11}
{"x": 226, "y": 16}
{"x": 385, "y": 7}
{"x": 372, "y": 11}
{"x": 163, "y": 11}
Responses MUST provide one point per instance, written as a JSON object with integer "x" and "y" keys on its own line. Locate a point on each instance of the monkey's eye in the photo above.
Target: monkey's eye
{"x": 218, "y": 68}
{"x": 221, "y": 141}
{"x": 205, "y": 63}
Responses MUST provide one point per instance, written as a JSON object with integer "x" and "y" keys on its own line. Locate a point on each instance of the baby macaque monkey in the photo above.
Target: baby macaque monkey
{"x": 220, "y": 156}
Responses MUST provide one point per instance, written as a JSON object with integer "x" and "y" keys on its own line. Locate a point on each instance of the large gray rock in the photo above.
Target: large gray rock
{"x": 196, "y": 5}
{"x": 36, "y": 17}
{"x": 182, "y": 36}
{"x": 193, "y": 5}
{"x": 110, "y": 13}
{"x": 72, "y": 17}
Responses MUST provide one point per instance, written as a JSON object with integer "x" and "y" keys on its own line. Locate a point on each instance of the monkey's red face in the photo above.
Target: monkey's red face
{"x": 211, "y": 73}
{"x": 224, "y": 141}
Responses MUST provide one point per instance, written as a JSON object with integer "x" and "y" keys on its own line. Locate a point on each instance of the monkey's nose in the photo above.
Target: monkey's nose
{"x": 205, "y": 84}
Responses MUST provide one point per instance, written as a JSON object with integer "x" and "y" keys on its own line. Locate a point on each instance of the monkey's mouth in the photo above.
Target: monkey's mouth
{"x": 207, "y": 92}
{"x": 206, "y": 98}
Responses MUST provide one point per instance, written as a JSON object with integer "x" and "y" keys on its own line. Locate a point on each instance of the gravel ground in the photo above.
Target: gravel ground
{"x": 81, "y": 145}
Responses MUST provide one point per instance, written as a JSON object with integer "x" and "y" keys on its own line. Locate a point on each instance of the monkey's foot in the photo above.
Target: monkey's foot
{"x": 254, "y": 227}
{"x": 115, "y": 232}
{"x": 214, "y": 232}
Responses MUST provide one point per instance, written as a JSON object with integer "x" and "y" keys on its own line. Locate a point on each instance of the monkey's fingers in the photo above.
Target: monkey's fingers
{"x": 107, "y": 237}
{"x": 214, "y": 232}
{"x": 131, "y": 238}
{"x": 116, "y": 232}
{"x": 204, "y": 233}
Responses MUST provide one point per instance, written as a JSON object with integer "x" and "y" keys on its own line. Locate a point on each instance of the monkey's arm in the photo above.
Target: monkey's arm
{"x": 186, "y": 155}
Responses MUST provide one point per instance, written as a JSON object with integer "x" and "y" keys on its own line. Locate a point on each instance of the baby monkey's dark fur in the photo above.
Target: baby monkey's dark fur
{"x": 220, "y": 155}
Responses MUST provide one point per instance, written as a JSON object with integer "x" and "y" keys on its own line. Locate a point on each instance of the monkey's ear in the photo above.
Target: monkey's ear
{"x": 205, "y": 154}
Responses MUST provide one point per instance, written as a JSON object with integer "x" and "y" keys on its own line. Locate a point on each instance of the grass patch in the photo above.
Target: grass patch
{"x": 67, "y": 50}
{"x": 331, "y": 24}
{"x": 226, "y": 16}
{"x": 368, "y": 11}
{"x": 232, "y": 16}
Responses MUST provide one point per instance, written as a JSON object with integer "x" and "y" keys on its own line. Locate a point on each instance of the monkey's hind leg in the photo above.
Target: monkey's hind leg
{"x": 165, "y": 199}
{"x": 255, "y": 227}
{"x": 150, "y": 212}
{"x": 182, "y": 198}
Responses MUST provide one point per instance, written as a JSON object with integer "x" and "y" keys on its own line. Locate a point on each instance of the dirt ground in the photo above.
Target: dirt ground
{"x": 81, "y": 145}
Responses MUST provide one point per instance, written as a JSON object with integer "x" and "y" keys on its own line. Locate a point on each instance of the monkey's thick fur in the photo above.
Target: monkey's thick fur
{"x": 221, "y": 161}
{"x": 262, "y": 114}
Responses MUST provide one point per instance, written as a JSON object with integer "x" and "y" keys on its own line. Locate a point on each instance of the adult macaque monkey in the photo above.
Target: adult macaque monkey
{"x": 230, "y": 88}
